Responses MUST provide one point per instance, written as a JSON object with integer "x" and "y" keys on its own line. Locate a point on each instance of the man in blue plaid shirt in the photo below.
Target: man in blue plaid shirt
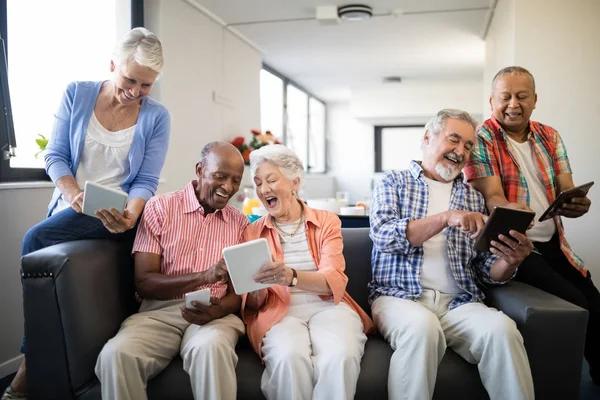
{"x": 424, "y": 293}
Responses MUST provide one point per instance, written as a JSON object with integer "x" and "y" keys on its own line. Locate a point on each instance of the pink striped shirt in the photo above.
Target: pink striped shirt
{"x": 173, "y": 225}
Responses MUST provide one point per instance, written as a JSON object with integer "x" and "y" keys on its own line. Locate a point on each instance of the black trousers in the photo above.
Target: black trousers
{"x": 552, "y": 272}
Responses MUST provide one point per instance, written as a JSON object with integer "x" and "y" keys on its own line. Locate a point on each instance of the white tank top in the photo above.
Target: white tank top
{"x": 103, "y": 159}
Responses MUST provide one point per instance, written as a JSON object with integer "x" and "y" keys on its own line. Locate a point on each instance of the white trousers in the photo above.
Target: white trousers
{"x": 314, "y": 352}
{"x": 419, "y": 332}
{"x": 150, "y": 339}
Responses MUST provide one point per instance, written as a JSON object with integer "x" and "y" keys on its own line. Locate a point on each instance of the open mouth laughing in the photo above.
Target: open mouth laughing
{"x": 271, "y": 201}
{"x": 454, "y": 158}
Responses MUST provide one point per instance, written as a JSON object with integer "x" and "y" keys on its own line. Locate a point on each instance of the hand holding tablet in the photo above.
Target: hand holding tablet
{"x": 244, "y": 261}
{"x": 501, "y": 222}
{"x": 97, "y": 197}
{"x": 570, "y": 203}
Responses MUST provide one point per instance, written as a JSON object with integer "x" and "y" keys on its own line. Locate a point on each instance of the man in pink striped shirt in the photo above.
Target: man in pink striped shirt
{"x": 178, "y": 250}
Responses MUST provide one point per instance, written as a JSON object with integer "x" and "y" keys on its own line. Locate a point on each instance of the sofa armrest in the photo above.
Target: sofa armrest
{"x": 75, "y": 296}
{"x": 554, "y": 334}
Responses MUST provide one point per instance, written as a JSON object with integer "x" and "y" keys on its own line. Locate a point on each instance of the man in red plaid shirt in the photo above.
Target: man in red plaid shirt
{"x": 523, "y": 164}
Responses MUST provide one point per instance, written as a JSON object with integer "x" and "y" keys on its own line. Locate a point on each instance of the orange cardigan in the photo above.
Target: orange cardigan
{"x": 324, "y": 233}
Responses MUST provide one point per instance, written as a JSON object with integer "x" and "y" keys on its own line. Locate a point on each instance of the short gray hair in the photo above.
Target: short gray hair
{"x": 436, "y": 124}
{"x": 142, "y": 46}
{"x": 513, "y": 70}
{"x": 280, "y": 156}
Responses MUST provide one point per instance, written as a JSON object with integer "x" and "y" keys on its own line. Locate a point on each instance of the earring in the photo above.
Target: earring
{"x": 293, "y": 193}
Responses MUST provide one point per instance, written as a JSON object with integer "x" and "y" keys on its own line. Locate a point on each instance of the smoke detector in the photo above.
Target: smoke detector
{"x": 355, "y": 12}
{"x": 392, "y": 79}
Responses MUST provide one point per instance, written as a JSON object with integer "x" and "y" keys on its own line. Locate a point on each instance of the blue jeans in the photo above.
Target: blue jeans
{"x": 66, "y": 226}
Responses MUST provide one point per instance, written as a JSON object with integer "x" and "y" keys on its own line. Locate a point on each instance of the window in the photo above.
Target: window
{"x": 397, "y": 146}
{"x": 45, "y": 54}
{"x": 296, "y": 117}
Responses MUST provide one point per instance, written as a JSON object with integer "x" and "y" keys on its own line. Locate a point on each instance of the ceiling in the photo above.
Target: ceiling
{"x": 426, "y": 42}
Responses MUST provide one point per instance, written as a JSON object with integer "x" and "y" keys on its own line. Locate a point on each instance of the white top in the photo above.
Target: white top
{"x": 296, "y": 253}
{"x": 103, "y": 159}
{"x": 436, "y": 273}
{"x": 538, "y": 202}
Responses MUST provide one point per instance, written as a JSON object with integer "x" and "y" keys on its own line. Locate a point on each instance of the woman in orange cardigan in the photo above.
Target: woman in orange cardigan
{"x": 307, "y": 329}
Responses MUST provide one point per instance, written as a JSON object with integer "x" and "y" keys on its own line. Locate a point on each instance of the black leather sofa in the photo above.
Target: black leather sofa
{"x": 77, "y": 294}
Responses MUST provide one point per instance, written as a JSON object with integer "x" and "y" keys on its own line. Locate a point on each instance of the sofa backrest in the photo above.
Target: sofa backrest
{"x": 357, "y": 252}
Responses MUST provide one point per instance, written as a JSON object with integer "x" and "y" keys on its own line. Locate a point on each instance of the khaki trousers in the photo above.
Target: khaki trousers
{"x": 150, "y": 339}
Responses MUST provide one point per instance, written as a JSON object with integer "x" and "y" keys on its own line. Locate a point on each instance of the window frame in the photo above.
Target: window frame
{"x": 378, "y": 130}
{"x": 8, "y": 173}
{"x": 287, "y": 81}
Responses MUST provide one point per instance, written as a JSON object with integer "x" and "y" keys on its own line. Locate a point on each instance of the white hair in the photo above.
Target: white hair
{"x": 280, "y": 156}
{"x": 436, "y": 124}
{"x": 142, "y": 46}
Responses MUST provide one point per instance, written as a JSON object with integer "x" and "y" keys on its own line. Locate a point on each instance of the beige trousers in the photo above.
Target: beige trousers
{"x": 150, "y": 339}
{"x": 419, "y": 332}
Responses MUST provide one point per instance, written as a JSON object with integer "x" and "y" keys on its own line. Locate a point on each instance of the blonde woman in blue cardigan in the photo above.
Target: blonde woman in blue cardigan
{"x": 108, "y": 132}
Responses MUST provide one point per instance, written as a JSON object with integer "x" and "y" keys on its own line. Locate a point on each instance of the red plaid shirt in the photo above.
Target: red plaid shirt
{"x": 174, "y": 226}
{"x": 493, "y": 156}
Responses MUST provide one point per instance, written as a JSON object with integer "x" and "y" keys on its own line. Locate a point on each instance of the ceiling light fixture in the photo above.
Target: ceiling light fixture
{"x": 355, "y": 12}
{"x": 392, "y": 79}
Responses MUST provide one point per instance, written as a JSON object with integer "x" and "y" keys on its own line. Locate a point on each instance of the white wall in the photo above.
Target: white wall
{"x": 559, "y": 42}
{"x": 499, "y": 46}
{"x": 202, "y": 60}
{"x": 416, "y": 99}
{"x": 21, "y": 209}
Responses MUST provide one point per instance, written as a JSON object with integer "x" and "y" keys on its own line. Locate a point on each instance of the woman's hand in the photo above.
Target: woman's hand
{"x": 115, "y": 222}
{"x": 76, "y": 201}
{"x": 274, "y": 272}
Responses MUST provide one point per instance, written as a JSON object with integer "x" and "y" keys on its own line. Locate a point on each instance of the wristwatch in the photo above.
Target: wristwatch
{"x": 294, "y": 278}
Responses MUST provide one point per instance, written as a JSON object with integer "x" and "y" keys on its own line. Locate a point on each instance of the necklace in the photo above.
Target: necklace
{"x": 112, "y": 108}
{"x": 276, "y": 225}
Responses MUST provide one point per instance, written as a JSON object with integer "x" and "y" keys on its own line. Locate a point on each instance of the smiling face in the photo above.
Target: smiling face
{"x": 446, "y": 153}
{"x": 132, "y": 81}
{"x": 513, "y": 101}
{"x": 219, "y": 178}
{"x": 276, "y": 192}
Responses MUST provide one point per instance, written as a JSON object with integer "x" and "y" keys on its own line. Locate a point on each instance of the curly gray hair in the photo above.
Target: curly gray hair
{"x": 436, "y": 124}
{"x": 142, "y": 46}
{"x": 280, "y": 156}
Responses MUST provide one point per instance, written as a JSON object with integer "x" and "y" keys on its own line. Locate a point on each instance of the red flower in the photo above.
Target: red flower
{"x": 246, "y": 155}
{"x": 255, "y": 132}
{"x": 238, "y": 141}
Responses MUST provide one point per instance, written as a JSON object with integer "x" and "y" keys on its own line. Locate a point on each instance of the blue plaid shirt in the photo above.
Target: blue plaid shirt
{"x": 401, "y": 197}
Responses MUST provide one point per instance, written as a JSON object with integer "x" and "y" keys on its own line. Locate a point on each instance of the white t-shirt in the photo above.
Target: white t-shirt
{"x": 538, "y": 202}
{"x": 436, "y": 273}
{"x": 103, "y": 159}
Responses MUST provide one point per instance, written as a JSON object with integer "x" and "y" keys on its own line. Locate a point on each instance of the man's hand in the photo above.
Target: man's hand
{"x": 217, "y": 273}
{"x": 512, "y": 250}
{"x": 467, "y": 221}
{"x": 203, "y": 314}
{"x": 575, "y": 208}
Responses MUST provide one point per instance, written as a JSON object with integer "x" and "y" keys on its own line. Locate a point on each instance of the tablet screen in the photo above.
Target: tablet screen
{"x": 501, "y": 221}
{"x": 244, "y": 261}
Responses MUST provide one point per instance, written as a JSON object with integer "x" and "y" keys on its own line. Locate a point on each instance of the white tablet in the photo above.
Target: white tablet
{"x": 243, "y": 262}
{"x": 202, "y": 296}
{"x": 96, "y": 196}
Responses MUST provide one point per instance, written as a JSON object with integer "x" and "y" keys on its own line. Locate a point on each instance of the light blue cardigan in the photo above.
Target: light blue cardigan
{"x": 146, "y": 155}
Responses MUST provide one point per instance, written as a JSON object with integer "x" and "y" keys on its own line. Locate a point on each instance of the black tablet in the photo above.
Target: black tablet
{"x": 563, "y": 197}
{"x": 500, "y": 222}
